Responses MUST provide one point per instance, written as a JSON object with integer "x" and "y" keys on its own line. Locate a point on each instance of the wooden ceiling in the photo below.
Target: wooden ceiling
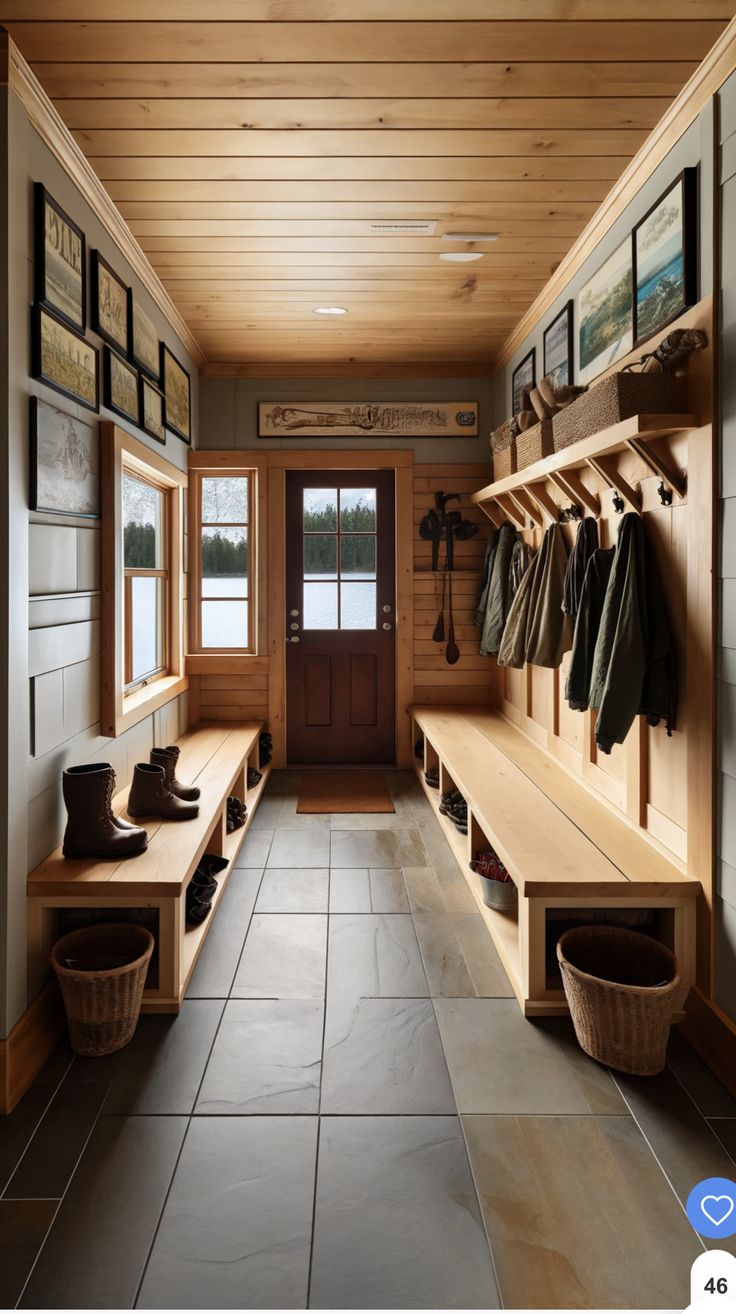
{"x": 249, "y": 143}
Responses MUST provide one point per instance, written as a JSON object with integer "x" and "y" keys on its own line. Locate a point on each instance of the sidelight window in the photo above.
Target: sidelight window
{"x": 340, "y": 558}
{"x": 224, "y": 608}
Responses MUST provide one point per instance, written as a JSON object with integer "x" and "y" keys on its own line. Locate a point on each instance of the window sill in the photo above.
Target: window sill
{"x": 137, "y": 706}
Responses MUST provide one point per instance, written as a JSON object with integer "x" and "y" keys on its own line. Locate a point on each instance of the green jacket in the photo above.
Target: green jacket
{"x": 537, "y": 630}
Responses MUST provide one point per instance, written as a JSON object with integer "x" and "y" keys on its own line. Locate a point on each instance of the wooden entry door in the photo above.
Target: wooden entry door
{"x": 340, "y": 616}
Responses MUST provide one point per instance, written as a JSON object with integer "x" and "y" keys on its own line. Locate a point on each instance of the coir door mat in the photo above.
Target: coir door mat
{"x": 344, "y": 791}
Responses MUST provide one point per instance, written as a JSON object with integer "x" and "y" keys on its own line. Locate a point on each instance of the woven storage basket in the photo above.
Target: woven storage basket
{"x": 622, "y": 988}
{"x": 616, "y": 398}
{"x": 102, "y": 1005}
{"x": 532, "y": 444}
{"x": 504, "y": 461}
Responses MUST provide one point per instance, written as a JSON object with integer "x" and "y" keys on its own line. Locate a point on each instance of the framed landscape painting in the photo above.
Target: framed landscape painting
{"x": 144, "y": 344}
{"x": 60, "y": 259}
{"x": 336, "y": 419}
{"x": 665, "y": 258}
{"x": 121, "y": 386}
{"x": 523, "y": 378}
{"x": 62, "y": 359}
{"x": 176, "y": 388}
{"x": 606, "y": 315}
{"x": 65, "y": 475}
{"x": 110, "y": 302}
{"x": 151, "y": 407}
{"x": 558, "y": 348}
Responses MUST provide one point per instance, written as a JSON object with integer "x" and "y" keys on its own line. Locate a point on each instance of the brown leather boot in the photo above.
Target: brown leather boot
{"x": 168, "y": 759}
{"x": 150, "y": 795}
{"x": 91, "y": 829}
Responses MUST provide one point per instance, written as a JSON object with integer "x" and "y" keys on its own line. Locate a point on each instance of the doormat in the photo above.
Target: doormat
{"x": 344, "y": 791}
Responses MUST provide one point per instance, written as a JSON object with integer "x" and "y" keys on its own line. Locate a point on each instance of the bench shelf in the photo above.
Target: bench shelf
{"x": 216, "y": 758}
{"x": 564, "y": 850}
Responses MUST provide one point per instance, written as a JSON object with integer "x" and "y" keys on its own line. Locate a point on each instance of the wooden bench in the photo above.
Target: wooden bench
{"x": 216, "y": 758}
{"x": 563, "y": 849}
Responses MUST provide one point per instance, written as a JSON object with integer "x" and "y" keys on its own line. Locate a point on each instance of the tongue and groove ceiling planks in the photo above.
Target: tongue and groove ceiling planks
{"x": 249, "y": 143}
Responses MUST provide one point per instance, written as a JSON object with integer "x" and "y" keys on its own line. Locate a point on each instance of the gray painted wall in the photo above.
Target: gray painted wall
{"x": 49, "y": 699}
{"x": 725, "y": 907}
{"x": 228, "y": 415}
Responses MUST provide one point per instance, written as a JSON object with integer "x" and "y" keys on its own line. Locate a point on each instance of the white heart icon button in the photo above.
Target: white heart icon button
{"x": 717, "y": 1216}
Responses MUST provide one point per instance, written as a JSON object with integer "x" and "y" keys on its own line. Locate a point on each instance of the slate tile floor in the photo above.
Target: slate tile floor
{"x": 350, "y": 1111}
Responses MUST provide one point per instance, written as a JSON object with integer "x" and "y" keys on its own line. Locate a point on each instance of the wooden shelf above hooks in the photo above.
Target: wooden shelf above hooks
{"x": 525, "y": 490}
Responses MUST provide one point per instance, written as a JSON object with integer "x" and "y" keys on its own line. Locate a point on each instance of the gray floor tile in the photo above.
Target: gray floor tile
{"x": 236, "y": 1229}
{"x": 431, "y": 893}
{"x": 23, "y": 1226}
{"x": 300, "y": 848}
{"x": 579, "y": 1215}
{"x": 460, "y": 958}
{"x": 397, "y": 1224}
{"x": 520, "y": 1067}
{"x": 160, "y": 1070}
{"x": 384, "y": 1056}
{"x": 367, "y": 889}
{"x": 267, "y": 1058}
{"x": 284, "y": 957}
{"x": 374, "y": 954}
{"x": 713, "y": 1100}
{"x": 47, "y": 1165}
{"x": 294, "y": 890}
{"x": 401, "y": 819}
{"x": 267, "y": 814}
{"x": 17, "y": 1128}
{"x": 377, "y": 848}
{"x": 254, "y": 850}
{"x": 97, "y": 1247}
{"x": 218, "y": 961}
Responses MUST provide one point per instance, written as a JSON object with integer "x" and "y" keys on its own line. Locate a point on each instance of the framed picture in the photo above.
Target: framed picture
{"x": 62, "y": 359}
{"x": 558, "y": 347}
{"x": 524, "y": 376}
{"x": 65, "y": 473}
{"x": 606, "y": 315}
{"x": 143, "y": 347}
{"x": 121, "y": 386}
{"x": 176, "y": 388}
{"x": 666, "y": 258}
{"x": 151, "y": 409}
{"x": 60, "y": 258}
{"x": 110, "y": 303}
{"x": 334, "y": 419}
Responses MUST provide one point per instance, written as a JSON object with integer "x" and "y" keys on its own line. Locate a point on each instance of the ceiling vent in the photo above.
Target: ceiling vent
{"x": 415, "y": 228}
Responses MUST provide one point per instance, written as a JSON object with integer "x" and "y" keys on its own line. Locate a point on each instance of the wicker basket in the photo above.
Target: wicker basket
{"x": 622, "y": 988}
{"x": 532, "y": 444}
{"x": 102, "y": 1002}
{"x": 616, "y": 398}
{"x": 504, "y": 461}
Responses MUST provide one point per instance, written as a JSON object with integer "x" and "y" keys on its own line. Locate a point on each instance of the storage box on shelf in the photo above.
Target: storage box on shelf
{"x": 216, "y": 758}
{"x": 616, "y": 398}
{"x": 533, "y": 444}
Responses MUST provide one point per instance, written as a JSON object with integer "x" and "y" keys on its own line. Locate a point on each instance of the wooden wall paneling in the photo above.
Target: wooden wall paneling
{"x": 24, "y": 1051}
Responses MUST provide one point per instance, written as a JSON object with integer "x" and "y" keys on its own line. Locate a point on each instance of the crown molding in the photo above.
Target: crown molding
{"x": 708, "y": 77}
{"x": 54, "y": 132}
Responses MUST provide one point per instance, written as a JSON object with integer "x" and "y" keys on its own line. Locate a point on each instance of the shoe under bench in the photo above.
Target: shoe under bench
{"x": 216, "y": 758}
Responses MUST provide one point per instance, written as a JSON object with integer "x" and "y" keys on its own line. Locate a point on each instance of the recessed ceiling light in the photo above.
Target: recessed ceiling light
{"x": 461, "y": 255}
{"x": 470, "y": 237}
{"x": 330, "y": 310}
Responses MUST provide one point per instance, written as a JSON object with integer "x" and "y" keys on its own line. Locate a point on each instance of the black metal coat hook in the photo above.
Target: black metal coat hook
{"x": 618, "y": 502}
{"x": 665, "y": 493}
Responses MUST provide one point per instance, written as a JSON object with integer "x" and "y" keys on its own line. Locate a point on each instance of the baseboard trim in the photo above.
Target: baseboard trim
{"x": 24, "y": 1052}
{"x": 712, "y": 1034}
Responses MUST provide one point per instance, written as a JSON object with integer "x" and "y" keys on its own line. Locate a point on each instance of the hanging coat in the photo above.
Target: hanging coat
{"x": 497, "y": 597}
{"x": 521, "y": 557}
{"x": 513, "y": 640}
{"x": 548, "y": 630}
{"x": 485, "y": 579}
{"x": 586, "y": 542}
{"x": 587, "y": 624}
{"x": 634, "y": 669}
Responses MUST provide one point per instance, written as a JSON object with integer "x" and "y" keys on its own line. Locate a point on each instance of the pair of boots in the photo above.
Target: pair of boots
{"x": 156, "y": 792}
{"x": 236, "y": 813}
{"x": 432, "y": 777}
{"x": 265, "y": 747}
{"x": 453, "y": 805}
{"x": 253, "y": 777}
{"x": 201, "y": 888}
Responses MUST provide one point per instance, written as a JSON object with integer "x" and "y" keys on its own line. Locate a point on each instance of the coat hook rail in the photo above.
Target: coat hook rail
{"x": 570, "y": 483}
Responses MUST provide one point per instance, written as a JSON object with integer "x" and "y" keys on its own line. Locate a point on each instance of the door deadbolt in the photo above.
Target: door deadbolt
{"x": 294, "y": 611}
{"x": 294, "y": 626}
{"x": 385, "y": 607}
{"x": 386, "y": 625}
{"x": 294, "y": 638}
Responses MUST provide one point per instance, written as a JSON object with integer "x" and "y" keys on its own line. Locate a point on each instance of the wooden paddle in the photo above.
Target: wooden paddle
{"x": 438, "y": 633}
{"x": 452, "y": 652}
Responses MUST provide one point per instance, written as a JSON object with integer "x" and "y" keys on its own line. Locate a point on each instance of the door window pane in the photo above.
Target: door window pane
{"x": 357, "y": 509}
{"x": 224, "y": 624}
{"x": 224, "y": 563}
{"x": 146, "y": 594}
{"x": 224, "y": 500}
{"x": 320, "y": 607}
{"x": 320, "y": 509}
{"x": 358, "y": 607}
{"x": 142, "y": 524}
{"x": 320, "y": 555}
{"x": 358, "y": 556}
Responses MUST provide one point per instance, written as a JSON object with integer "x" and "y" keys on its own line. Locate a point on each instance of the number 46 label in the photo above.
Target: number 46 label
{"x": 713, "y": 1281}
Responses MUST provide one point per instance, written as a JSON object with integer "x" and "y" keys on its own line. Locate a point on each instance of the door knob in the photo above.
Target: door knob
{"x": 294, "y": 626}
{"x": 293, "y": 639}
{"x": 386, "y": 625}
{"x": 385, "y": 607}
{"x": 294, "y": 611}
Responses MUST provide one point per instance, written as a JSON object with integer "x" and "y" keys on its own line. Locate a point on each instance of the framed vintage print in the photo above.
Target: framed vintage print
{"x": 110, "y": 304}
{"x": 121, "y": 386}
{"x": 176, "y": 387}
{"x": 336, "y": 419}
{"x": 143, "y": 347}
{"x": 151, "y": 409}
{"x": 62, "y": 359}
{"x": 558, "y": 348}
{"x": 666, "y": 258}
{"x": 60, "y": 259}
{"x": 65, "y": 471}
{"x": 606, "y": 315}
{"x": 523, "y": 377}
